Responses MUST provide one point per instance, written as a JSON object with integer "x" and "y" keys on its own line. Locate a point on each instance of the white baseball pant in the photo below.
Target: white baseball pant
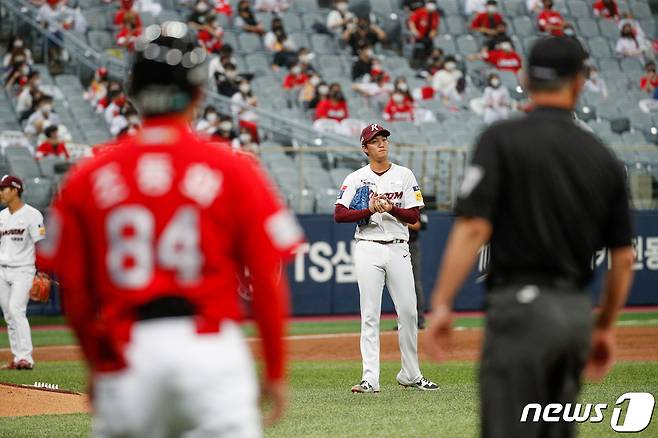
{"x": 15, "y": 285}
{"x": 375, "y": 265}
{"x": 180, "y": 383}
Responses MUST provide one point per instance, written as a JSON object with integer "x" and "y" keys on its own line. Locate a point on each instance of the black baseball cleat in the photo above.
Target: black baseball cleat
{"x": 422, "y": 384}
{"x": 363, "y": 388}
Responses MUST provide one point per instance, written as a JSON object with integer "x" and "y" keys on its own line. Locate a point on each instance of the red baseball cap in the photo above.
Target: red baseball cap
{"x": 370, "y": 131}
{"x": 11, "y": 181}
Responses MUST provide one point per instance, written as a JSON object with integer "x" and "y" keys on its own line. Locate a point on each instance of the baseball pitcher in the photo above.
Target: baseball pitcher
{"x": 148, "y": 240}
{"x": 21, "y": 227}
{"x": 383, "y": 198}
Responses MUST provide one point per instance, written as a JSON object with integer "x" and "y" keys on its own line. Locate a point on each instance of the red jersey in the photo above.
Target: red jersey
{"x": 600, "y": 10}
{"x": 644, "y": 81}
{"x": 326, "y": 109}
{"x": 212, "y": 43}
{"x": 292, "y": 81}
{"x": 127, "y": 37}
{"x": 223, "y": 7}
{"x": 46, "y": 149}
{"x": 424, "y": 21}
{"x": 552, "y": 18}
{"x": 118, "y": 17}
{"x": 167, "y": 214}
{"x": 485, "y": 20}
{"x": 504, "y": 60}
{"x": 403, "y": 112}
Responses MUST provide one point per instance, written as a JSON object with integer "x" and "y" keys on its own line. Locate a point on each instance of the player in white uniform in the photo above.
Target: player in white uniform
{"x": 383, "y": 198}
{"x": 21, "y": 226}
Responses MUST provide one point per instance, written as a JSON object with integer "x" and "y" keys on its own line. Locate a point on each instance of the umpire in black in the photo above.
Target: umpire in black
{"x": 547, "y": 195}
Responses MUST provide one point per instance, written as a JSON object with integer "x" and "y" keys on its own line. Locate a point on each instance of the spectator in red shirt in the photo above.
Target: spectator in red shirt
{"x": 607, "y": 9}
{"x": 126, "y": 7}
{"x": 129, "y": 31}
{"x": 649, "y": 82}
{"x": 550, "y": 21}
{"x": 223, "y": 7}
{"x": 52, "y": 146}
{"x": 488, "y": 23}
{"x": 334, "y": 106}
{"x": 295, "y": 79}
{"x": 399, "y": 109}
{"x": 503, "y": 57}
{"x": 424, "y": 27}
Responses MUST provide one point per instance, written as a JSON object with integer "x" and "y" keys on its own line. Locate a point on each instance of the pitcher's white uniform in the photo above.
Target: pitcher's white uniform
{"x": 382, "y": 256}
{"x": 18, "y": 234}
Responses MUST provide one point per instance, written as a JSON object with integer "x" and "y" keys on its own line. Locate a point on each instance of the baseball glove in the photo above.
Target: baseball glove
{"x": 41, "y": 286}
{"x": 361, "y": 201}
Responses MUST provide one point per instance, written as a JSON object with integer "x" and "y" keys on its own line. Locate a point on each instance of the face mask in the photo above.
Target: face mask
{"x": 569, "y": 32}
{"x": 315, "y": 81}
{"x": 323, "y": 89}
{"x": 211, "y": 117}
{"x": 398, "y": 98}
{"x": 245, "y": 137}
{"x": 507, "y": 47}
{"x": 495, "y": 82}
{"x": 131, "y": 131}
{"x": 402, "y": 86}
{"x": 308, "y": 57}
{"x": 296, "y": 70}
{"x": 18, "y": 44}
{"x": 134, "y": 120}
{"x": 244, "y": 88}
{"x": 231, "y": 74}
{"x": 593, "y": 75}
{"x": 201, "y": 7}
{"x": 369, "y": 53}
{"x": 342, "y": 7}
{"x": 25, "y": 70}
{"x": 492, "y": 9}
{"x": 225, "y": 126}
{"x": 47, "y": 108}
{"x": 431, "y": 7}
{"x": 450, "y": 66}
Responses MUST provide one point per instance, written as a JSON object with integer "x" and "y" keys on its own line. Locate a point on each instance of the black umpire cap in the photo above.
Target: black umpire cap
{"x": 168, "y": 69}
{"x": 555, "y": 58}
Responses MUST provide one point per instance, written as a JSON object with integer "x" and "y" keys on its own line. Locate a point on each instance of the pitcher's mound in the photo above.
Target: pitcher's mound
{"x": 23, "y": 400}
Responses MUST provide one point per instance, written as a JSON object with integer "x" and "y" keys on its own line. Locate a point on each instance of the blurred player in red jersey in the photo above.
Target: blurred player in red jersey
{"x": 148, "y": 240}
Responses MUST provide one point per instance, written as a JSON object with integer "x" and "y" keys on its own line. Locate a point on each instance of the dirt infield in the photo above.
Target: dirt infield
{"x": 16, "y": 400}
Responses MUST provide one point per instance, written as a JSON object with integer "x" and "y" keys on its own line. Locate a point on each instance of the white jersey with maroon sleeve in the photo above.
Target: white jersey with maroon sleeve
{"x": 18, "y": 234}
{"x": 400, "y": 187}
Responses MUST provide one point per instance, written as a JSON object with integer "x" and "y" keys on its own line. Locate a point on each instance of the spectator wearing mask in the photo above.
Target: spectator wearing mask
{"x": 363, "y": 65}
{"x": 17, "y": 75}
{"x": 54, "y": 16}
{"x": 433, "y": 62}
{"x": 41, "y": 118}
{"x": 398, "y": 108}
{"x": 377, "y": 91}
{"x": 503, "y": 57}
{"x": 309, "y": 90}
{"x": 209, "y": 123}
{"x": 98, "y": 87}
{"x": 400, "y": 85}
{"x": 629, "y": 45}
{"x": 127, "y": 118}
{"x": 363, "y": 33}
{"x": 29, "y": 95}
{"x": 340, "y": 17}
{"x": 500, "y": 37}
{"x": 129, "y": 31}
{"x": 228, "y": 82}
{"x": 305, "y": 58}
{"x": 424, "y": 27}
{"x": 219, "y": 60}
{"x": 446, "y": 82}
{"x": 473, "y": 7}
{"x": 247, "y": 117}
{"x": 225, "y": 133}
{"x": 117, "y": 102}
{"x": 607, "y": 9}
{"x": 203, "y": 20}
{"x": 488, "y": 23}
{"x": 274, "y": 6}
{"x": 627, "y": 18}
{"x": 595, "y": 83}
{"x": 295, "y": 79}
{"x": 649, "y": 81}
{"x": 550, "y": 20}
{"x": 127, "y": 7}
{"x": 496, "y": 100}
{"x": 17, "y": 54}
{"x": 278, "y": 43}
{"x": 334, "y": 106}
{"x": 534, "y": 6}
{"x": 224, "y": 7}
{"x": 246, "y": 142}
{"x": 52, "y": 146}
{"x": 246, "y": 20}
{"x": 113, "y": 88}
{"x": 321, "y": 93}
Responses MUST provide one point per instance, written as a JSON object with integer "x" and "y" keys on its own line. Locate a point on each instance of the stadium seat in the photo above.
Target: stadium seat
{"x": 609, "y": 29}
{"x": 325, "y": 201}
{"x": 599, "y": 47}
{"x": 587, "y": 27}
{"x": 514, "y": 8}
{"x": 640, "y": 10}
{"x": 632, "y": 66}
{"x": 292, "y": 22}
{"x": 100, "y": 40}
{"x": 523, "y": 26}
{"x": 97, "y": 18}
{"x": 455, "y": 24}
{"x": 609, "y": 65}
{"x": 619, "y": 125}
{"x": 446, "y": 43}
{"x": 305, "y": 5}
{"x": 323, "y": 44}
{"x": 249, "y": 42}
{"x": 23, "y": 166}
{"x": 578, "y": 9}
{"x": 450, "y": 7}
{"x": 467, "y": 45}
{"x": 258, "y": 63}
{"x": 38, "y": 192}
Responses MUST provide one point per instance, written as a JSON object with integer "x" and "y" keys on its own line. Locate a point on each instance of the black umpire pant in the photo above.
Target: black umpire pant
{"x": 537, "y": 341}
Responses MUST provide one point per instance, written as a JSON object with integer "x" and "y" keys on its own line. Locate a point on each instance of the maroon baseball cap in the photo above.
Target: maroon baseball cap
{"x": 370, "y": 131}
{"x": 11, "y": 181}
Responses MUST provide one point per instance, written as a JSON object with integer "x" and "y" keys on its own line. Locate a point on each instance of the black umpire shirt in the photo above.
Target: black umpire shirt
{"x": 553, "y": 193}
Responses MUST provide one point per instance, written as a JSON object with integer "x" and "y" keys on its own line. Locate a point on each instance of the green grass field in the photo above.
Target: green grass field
{"x": 322, "y": 405}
